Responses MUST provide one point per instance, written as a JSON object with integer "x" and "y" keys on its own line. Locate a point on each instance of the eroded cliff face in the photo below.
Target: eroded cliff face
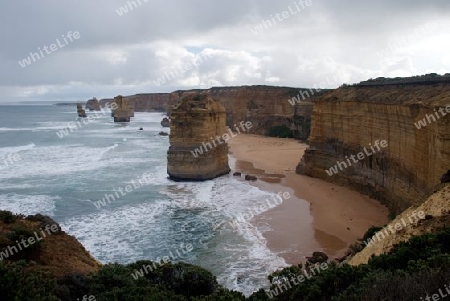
{"x": 193, "y": 155}
{"x": 346, "y": 120}
{"x": 149, "y": 102}
{"x": 263, "y": 106}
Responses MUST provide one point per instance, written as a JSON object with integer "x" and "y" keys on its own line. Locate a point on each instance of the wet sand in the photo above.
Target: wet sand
{"x": 319, "y": 216}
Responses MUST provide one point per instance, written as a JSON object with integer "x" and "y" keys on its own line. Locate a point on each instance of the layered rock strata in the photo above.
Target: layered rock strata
{"x": 122, "y": 111}
{"x": 194, "y": 155}
{"x": 150, "y": 102}
{"x": 347, "y": 120}
{"x": 263, "y": 106}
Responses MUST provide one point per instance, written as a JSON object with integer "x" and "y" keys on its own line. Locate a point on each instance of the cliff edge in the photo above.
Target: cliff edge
{"x": 412, "y": 119}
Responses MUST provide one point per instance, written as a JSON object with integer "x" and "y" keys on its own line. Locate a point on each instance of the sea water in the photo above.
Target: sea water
{"x": 66, "y": 177}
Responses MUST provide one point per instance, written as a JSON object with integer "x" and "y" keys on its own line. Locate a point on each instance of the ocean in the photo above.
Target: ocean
{"x": 141, "y": 214}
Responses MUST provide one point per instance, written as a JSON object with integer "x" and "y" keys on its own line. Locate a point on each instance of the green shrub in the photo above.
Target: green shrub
{"x": 7, "y": 217}
{"x": 371, "y": 232}
{"x": 18, "y": 284}
{"x": 17, "y": 235}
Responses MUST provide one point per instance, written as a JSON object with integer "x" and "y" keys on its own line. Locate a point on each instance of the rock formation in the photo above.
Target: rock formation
{"x": 150, "y": 102}
{"x": 348, "y": 119}
{"x": 264, "y": 106}
{"x": 193, "y": 153}
{"x": 81, "y": 112}
{"x": 165, "y": 122}
{"x": 93, "y": 104}
{"x": 122, "y": 111}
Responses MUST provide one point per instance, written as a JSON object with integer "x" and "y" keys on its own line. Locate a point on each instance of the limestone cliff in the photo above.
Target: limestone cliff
{"x": 196, "y": 120}
{"x": 264, "y": 106}
{"x": 348, "y": 119}
{"x": 122, "y": 110}
{"x": 93, "y": 104}
{"x": 149, "y": 102}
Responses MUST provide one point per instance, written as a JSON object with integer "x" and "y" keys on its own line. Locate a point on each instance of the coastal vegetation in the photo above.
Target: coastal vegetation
{"x": 410, "y": 270}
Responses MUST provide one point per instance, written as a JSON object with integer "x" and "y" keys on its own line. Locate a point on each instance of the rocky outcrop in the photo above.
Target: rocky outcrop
{"x": 81, "y": 112}
{"x": 149, "y": 102}
{"x": 430, "y": 216}
{"x": 349, "y": 119}
{"x": 53, "y": 250}
{"x": 165, "y": 122}
{"x": 122, "y": 110}
{"x": 194, "y": 153}
{"x": 93, "y": 104}
{"x": 265, "y": 107}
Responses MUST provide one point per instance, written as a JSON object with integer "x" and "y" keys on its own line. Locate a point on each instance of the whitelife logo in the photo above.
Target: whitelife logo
{"x": 334, "y": 170}
{"x": 204, "y": 148}
{"x": 130, "y": 4}
{"x": 48, "y": 50}
{"x": 11, "y": 250}
{"x": 144, "y": 180}
{"x": 382, "y": 234}
{"x": 429, "y": 118}
{"x": 266, "y": 24}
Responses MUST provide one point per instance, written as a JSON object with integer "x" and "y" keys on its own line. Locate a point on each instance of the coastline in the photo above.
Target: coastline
{"x": 319, "y": 216}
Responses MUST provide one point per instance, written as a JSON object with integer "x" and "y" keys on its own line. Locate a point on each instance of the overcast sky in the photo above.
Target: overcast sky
{"x": 318, "y": 43}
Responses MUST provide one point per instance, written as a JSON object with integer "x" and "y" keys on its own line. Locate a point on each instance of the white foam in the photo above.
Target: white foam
{"x": 15, "y": 149}
{"x": 66, "y": 159}
{"x": 28, "y": 204}
{"x": 120, "y": 235}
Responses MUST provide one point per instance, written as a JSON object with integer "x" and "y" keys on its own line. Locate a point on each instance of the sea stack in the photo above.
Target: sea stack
{"x": 93, "y": 104}
{"x": 81, "y": 112}
{"x": 194, "y": 153}
{"x": 122, "y": 111}
{"x": 165, "y": 122}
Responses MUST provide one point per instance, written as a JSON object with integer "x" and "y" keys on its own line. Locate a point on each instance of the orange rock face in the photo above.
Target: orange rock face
{"x": 346, "y": 120}
{"x": 193, "y": 155}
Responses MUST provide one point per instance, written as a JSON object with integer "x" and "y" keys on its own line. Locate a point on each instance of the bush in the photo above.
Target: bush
{"x": 18, "y": 284}
{"x": 17, "y": 235}
{"x": 407, "y": 272}
{"x": 7, "y": 217}
{"x": 371, "y": 232}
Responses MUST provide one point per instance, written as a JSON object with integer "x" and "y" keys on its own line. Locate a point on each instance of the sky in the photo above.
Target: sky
{"x": 104, "y": 48}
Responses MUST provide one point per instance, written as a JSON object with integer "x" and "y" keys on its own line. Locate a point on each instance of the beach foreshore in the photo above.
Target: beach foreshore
{"x": 320, "y": 216}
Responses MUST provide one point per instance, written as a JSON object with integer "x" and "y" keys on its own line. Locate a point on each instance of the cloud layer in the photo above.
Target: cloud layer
{"x": 301, "y": 44}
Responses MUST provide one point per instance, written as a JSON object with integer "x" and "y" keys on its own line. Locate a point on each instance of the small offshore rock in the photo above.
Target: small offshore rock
{"x": 165, "y": 122}
{"x": 250, "y": 178}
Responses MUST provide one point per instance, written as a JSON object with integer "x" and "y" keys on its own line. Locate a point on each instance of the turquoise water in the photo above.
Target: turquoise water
{"x": 65, "y": 177}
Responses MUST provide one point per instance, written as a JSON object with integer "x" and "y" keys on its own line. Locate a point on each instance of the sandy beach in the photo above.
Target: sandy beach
{"x": 319, "y": 216}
